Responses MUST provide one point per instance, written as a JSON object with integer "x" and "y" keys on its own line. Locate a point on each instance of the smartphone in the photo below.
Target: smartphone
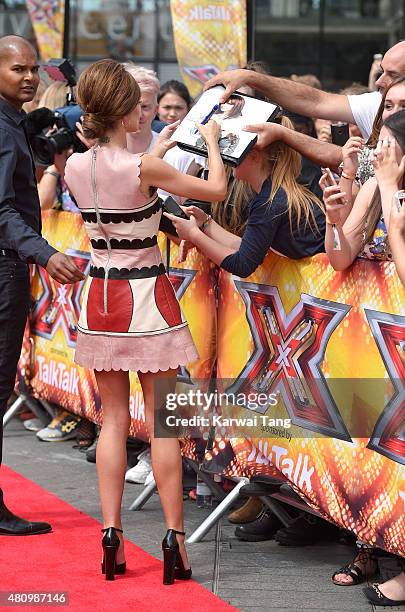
{"x": 170, "y": 205}
{"x": 340, "y": 133}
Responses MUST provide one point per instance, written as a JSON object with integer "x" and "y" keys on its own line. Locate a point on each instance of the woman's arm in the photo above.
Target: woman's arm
{"x": 157, "y": 173}
{"x": 344, "y": 241}
{"x": 319, "y": 152}
{"x": 47, "y": 187}
{"x": 213, "y": 229}
{"x": 263, "y": 223}
{"x": 48, "y": 184}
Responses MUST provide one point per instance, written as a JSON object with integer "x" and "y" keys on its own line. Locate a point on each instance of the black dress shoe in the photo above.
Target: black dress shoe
{"x": 259, "y": 530}
{"x": 306, "y": 529}
{"x": 12, "y": 525}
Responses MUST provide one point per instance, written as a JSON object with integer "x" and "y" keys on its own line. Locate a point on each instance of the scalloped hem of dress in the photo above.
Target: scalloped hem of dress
{"x": 142, "y": 354}
{"x": 117, "y": 367}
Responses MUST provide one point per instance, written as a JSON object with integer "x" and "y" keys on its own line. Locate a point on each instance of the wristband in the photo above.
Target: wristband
{"x": 53, "y": 173}
{"x": 206, "y": 223}
{"x": 347, "y": 176}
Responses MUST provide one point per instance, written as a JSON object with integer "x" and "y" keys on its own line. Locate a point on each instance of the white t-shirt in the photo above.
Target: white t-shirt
{"x": 364, "y": 108}
{"x": 179, "y": 159}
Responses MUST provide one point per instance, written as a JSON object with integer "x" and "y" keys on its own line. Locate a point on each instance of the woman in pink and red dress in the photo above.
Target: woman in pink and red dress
{"x": 130, "y": 318}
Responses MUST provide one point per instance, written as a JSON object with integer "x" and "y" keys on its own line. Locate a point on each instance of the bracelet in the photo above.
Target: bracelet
{"x": 53, "y": 173}
{"x": 347, "y": 176}
{"x": 206, "y": 223}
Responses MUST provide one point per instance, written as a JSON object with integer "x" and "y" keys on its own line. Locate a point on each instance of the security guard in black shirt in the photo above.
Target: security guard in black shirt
{"x": 20, "y": 233}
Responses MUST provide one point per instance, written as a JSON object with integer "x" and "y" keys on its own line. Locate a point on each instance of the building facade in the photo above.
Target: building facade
{"x": 334, "y": 39}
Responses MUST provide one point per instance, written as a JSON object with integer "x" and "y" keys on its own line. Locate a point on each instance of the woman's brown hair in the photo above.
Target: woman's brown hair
{"x": 284, "y": 167}
{"x": 377, "y": 125}
{"x": 106, "y": 92}
{"x": 396, "y": 125}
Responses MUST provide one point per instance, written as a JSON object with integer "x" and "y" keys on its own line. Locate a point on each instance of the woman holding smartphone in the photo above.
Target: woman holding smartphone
{"x": 364, "y": 231}
{"x": 130, "y": 318}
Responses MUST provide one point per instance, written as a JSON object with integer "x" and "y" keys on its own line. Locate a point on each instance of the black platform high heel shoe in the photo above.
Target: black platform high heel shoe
{"x": 111, "y": 543}
{"x": 173, "y": 566}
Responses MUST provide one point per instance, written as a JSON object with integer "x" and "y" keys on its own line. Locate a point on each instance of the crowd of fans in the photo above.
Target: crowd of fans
{"x": 297, "y": 194}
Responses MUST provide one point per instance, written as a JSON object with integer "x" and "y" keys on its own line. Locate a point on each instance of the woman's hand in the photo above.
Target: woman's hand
{"x": 199, "y": 215}
{"x": 185, "y": 228}
{"x": 163, "y": 143}
{"x": 210, "y": 131}
{"x": 350, "y": 152}
{"x": 386, "y": 168}
{"x": 88, "y": 142}
{"x": 335, "y": 204}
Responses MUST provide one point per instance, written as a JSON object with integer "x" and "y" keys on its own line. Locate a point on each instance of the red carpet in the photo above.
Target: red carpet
{"x": 68, "y": 559}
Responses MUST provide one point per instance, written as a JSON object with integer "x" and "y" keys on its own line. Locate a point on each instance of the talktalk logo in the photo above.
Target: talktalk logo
{"x": 209, "y": 13}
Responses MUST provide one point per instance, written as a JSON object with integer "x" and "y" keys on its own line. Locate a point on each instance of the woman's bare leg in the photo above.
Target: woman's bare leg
{"x": 166, "y": 456}
{"x": 111, "y": 455}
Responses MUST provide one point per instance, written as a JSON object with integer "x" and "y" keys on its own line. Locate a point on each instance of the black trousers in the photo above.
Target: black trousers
{"x": 14, "y": 306}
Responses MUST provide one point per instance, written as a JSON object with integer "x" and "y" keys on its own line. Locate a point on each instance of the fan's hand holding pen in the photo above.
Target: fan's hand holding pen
{"x": 210, "y": 131}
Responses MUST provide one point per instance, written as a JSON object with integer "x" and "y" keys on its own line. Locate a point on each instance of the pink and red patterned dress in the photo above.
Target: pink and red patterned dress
{"x": 130, "y": 317}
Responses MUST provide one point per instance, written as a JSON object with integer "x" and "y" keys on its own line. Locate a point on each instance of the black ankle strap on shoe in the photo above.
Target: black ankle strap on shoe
{"x": 178, "y": 532}
{"x": 115, "y": 529}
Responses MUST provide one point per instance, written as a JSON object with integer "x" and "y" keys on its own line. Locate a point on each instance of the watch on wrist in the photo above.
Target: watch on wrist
{"x": 206, "y": 223}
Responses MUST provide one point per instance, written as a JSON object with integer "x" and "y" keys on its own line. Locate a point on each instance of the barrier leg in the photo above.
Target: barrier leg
{"x": 216, "y": 514}
{"x": 34, "y": 406}
{"x": 48, "y": 408}
{"x": 146, "y": 494}
{"x": 12, "y": 410}
{"x": 277, "y": 509}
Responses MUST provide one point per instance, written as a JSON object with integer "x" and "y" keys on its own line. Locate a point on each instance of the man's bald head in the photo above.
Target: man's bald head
{"x": 12, "y": 44}
{"x": 19, "y": 77}
{"x": 393, "y": 65}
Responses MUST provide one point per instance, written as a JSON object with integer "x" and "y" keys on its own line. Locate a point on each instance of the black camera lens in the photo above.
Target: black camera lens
{"x": 43, "y": 150}
{"x": 62, "y": 140}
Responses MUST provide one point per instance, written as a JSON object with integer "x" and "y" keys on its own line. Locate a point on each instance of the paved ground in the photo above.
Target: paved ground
{"x": 252, "y": 577}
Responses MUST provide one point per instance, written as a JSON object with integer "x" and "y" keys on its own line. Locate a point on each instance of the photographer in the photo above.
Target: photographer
{"x": 20, "y": 232}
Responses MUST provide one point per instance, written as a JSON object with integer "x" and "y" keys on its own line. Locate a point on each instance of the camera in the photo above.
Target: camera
{"x": 38, "y": 123}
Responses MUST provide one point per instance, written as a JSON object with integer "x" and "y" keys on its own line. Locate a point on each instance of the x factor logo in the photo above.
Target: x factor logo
{"x": 287, "y": 356}
{"x": 388, "y": 437}
{"x": 181, "y": 279}
{"x": 59, "y": 305}
{"x": 204, "y": 73}
{"x": 201, "y": 73}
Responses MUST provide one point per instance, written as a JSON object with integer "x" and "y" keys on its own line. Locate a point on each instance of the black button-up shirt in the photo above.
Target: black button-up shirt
{"x": 20, "y": 211}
